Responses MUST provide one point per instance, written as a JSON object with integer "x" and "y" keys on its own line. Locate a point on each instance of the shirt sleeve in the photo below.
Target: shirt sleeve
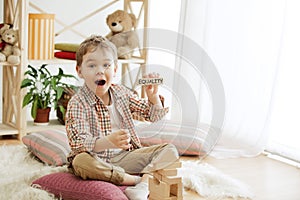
{"x": 78, "y": 128}
{"x": 146, "y": 109}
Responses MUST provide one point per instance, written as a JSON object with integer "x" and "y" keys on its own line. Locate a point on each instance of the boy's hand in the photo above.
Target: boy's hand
{"x": 120, "y": 139}
{"x": 152, "y": 90}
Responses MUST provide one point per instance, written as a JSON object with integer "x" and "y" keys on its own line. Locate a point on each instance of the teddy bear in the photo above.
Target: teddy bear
{"x": 3, "y": 27}
{"x": 123, "y": 35}
{"x": 9, "y": 50}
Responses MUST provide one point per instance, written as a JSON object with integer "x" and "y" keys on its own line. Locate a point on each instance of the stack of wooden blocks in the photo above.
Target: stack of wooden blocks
{"x": 165, "y": 184}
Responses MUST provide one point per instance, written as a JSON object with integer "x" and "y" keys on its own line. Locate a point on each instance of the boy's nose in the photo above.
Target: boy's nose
{"x": 100, "y": 70}
{"x": 100, "y": 73}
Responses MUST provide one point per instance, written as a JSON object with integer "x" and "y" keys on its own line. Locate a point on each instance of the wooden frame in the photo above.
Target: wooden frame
{"x": 13, "y": 115}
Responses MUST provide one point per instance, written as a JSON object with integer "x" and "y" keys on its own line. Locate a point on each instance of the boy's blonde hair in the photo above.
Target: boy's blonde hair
{"x": 91, "y": 44}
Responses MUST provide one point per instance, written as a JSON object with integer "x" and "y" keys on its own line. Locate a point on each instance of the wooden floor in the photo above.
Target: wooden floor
{"x": 269, "y": 179}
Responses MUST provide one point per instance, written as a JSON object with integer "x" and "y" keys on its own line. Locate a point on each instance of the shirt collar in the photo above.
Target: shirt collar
{"x": 117, "y": 92}
{"x": 90, "y": 96}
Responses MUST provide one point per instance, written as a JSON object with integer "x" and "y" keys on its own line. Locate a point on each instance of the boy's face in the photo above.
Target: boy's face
{"x": 98, "y": 70}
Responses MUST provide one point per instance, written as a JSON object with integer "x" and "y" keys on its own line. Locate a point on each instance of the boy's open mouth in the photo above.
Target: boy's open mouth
{"x": 100, "y": 82}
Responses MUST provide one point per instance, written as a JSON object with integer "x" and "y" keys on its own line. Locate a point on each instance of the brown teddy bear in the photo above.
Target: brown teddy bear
{"x": 9, "y": 50}
{"x": 122, "y": 33}
{"x": 3, "y": 27}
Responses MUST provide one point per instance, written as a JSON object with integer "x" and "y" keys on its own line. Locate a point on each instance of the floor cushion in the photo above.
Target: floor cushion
{"x": 189, "y": 140}
{"x": 70, "y": 187}
{"x": 50, "y": 146}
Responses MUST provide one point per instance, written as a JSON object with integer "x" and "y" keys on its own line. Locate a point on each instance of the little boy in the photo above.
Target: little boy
{"x": 100, "y": 128}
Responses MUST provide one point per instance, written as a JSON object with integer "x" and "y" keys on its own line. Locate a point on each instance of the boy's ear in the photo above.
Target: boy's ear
{"x": 115, "y": 69}
{"x": 78, "y": 69}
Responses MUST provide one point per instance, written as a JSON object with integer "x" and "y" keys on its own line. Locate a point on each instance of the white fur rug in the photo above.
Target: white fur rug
{"x": 18, "y": 169}
{"x": 210, "y": 182}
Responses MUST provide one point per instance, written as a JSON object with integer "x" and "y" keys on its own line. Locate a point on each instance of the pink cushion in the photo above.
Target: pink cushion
{"x": 50, "y": 146}
{"x": 188, "y": 140}
{"x": 69, "y": 187}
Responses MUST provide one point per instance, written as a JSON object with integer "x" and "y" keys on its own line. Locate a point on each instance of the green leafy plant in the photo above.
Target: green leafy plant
{"x": 44, "y": 89}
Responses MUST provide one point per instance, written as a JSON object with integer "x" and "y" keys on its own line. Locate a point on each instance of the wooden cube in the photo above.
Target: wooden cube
{"x": 176, "y": 189}
{"x": 159, "y": 188}
{"x": 167, "y": 172}
{"x": 165, "y": 184}
{"x": 173, "y": 165}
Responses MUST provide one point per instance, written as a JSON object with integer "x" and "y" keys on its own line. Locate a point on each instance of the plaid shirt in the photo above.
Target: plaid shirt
{"x": 87, "y": 119}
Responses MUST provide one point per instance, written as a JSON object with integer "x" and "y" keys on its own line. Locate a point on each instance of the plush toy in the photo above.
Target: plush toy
{"x": 123, "y": 35}
{"x": 3, "y": 27}
{"x": 9, "y": 50}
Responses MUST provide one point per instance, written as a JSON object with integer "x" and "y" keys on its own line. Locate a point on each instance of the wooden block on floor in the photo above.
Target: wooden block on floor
{"x": 160, "y": 188}
{"x": 171, "y": 179}
{"x": 165, "y": 184}
{"x": 176, "y": 189}
{"x": 167, "y": 172}
{"x": 167, "y": 179}
{"x": 158, "y": 197}
{"x": 157, "y": 176}
{"x": 173, "y": 165}
{"x": 167, "y": 198}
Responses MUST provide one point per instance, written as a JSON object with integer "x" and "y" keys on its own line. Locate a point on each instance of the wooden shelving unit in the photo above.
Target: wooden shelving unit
{"x": 14, "y": 119}
{"x": 53, "y": 124}
{"x": 13, "y": 115}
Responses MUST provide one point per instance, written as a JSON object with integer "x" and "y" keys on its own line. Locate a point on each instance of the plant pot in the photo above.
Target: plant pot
{"x": 42, "y": 116}
{"x": 63, "y": 101}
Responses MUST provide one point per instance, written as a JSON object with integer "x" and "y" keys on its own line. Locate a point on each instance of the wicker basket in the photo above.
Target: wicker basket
{"x": 41, "y": 36}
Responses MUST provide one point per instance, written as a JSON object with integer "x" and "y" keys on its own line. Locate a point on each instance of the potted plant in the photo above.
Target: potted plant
{"x": 43, "y": 91}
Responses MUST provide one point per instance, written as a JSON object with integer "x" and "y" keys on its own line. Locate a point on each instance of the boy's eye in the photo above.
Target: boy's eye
{"x": 106, "y": 65}
{"x": 92, "y": 66}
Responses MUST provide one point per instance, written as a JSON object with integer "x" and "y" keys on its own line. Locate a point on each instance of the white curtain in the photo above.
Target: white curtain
{"x": 284, "y": 122}
{"x": 243, "y": 39}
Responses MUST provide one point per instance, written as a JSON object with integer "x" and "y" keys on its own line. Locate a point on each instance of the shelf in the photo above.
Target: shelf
{"x": 53, "y": 124}
{"x": 51, "y": 61}
{"x": 8, "y": 64}
{"x": 7, "y": 130}
{"x": 31, "y": 127}
{"x": 66, "y": 61}
{"x": 132, "y": 60}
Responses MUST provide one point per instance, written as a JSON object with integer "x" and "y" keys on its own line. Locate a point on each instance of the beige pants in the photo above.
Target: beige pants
{"x": 143, "y": 160}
